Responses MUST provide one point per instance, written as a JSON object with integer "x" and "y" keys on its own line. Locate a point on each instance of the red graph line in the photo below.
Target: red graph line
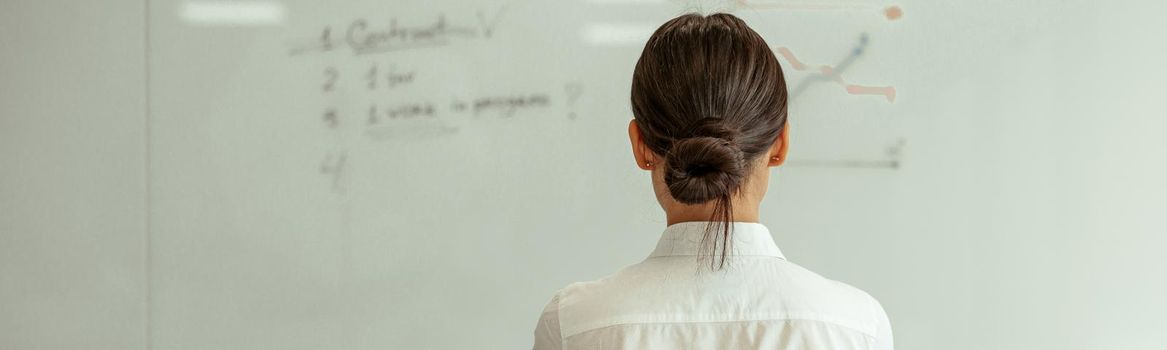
{"x": 888, "y": 92}
{"x": 891, "y": 12}
{"x": 803, "y": 5}
{"x": 794, "y": 62}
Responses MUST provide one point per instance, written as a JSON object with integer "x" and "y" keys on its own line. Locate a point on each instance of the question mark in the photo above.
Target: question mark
{"x": 573, "y": 91}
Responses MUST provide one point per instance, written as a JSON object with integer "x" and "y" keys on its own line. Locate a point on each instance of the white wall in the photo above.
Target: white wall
{"x": 72, "y": 175}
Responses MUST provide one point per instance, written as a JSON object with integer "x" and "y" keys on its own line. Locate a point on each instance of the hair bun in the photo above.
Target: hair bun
{"x": 706, "y": 166}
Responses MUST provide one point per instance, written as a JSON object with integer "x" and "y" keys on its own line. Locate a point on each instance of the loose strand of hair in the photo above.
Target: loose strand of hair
{"x": 719, "y": 246}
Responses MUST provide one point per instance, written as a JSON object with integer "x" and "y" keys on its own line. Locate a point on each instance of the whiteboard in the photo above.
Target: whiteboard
{"x": 425, "y": 174}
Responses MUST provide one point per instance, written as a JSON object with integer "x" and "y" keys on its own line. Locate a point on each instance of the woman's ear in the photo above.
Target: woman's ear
{"x": 638, "y": 146}
{"x": 780, "y": 146}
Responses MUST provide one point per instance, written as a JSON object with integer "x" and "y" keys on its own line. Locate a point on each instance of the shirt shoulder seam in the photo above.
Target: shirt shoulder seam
{"x": 559, "y": 318}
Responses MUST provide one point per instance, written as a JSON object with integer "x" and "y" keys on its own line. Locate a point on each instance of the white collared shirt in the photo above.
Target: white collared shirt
{"x": 759, "y": 301}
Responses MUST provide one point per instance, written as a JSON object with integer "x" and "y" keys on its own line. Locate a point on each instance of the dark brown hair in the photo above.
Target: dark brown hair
{"x": 709, "y": 95}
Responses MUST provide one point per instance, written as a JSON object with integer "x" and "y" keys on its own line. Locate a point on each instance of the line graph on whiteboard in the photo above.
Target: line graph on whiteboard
{"x": 834, "y": 73}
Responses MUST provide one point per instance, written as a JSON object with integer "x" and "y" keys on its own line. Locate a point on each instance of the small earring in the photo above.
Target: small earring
{"x": 648, "y": 164}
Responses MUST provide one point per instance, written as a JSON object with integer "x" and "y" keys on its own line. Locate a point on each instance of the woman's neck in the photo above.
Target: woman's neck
{"x": 743, "y": 213}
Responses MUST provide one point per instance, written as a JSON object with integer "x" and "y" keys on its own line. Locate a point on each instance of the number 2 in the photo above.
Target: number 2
{"x": 330, "y": 77}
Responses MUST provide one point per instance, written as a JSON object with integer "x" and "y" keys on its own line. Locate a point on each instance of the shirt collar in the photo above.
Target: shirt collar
{"x": 685, "y": 238}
